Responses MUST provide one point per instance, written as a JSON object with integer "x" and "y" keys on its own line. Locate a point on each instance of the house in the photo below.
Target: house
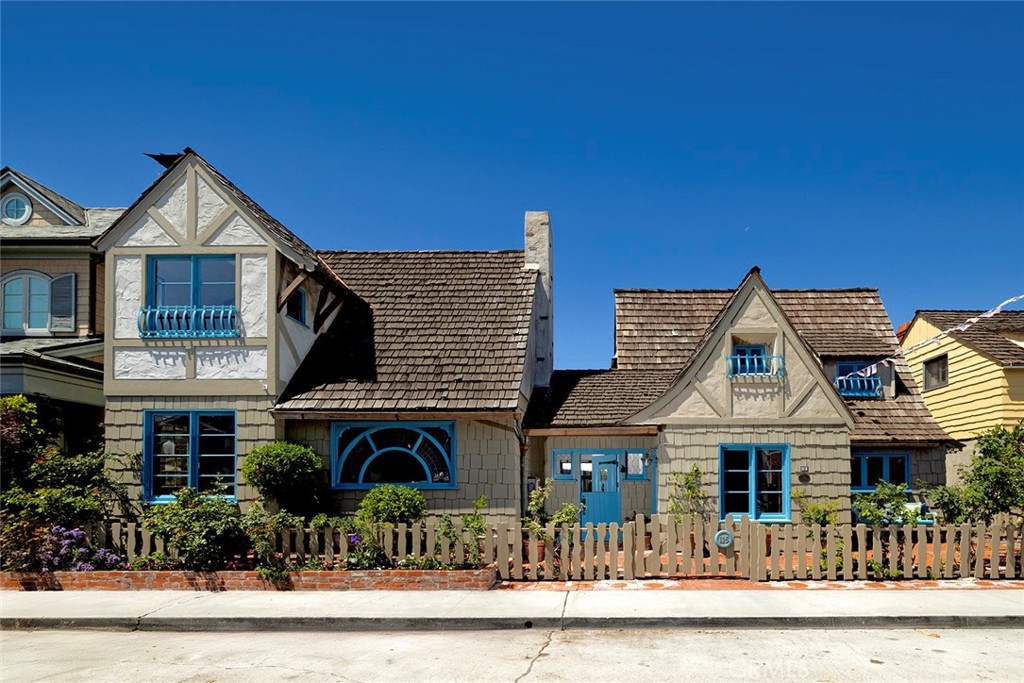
{"x": 971, "y": 379}
{"x": 229, "y": 331}
{"x": 51, "y": 344}
{"x": 757, "y": 387}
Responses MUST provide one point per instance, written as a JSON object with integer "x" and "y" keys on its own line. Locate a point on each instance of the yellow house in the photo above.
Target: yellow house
{"x": 972, "y": 379}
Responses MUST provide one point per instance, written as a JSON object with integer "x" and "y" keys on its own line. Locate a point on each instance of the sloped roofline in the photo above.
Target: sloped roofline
{"x": 968, "y": 313}
{"x": 278, "y": 233}
{"x": 42, "y": 194}
{"x": 726, "y": 290}
{"x": 752, "y": 278}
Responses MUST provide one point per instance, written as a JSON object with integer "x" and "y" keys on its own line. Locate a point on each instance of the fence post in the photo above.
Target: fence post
{"x": 653, "y": 564}
{"x": 639, "y": 568}
{"x": 979, "y": 553}
{"x": 627, "y": 550}
{"x": 503, "y": 558}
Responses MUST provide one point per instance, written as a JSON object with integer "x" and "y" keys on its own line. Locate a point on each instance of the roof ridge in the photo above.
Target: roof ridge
{"x": 729, "y": 290}
{"x": 419, "y": 251}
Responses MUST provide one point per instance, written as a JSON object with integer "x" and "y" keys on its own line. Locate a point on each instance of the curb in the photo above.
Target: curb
{"x": 341, "y": 624}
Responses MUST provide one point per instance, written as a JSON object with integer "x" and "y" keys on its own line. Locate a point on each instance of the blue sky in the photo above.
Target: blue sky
{"x": 675, "y": 145}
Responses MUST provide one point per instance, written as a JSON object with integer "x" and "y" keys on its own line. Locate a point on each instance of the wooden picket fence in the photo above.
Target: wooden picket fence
{"x": 664, "y": 548}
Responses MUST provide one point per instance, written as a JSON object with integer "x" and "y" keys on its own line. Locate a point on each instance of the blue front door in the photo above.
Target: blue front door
{"x": 599, "y": 490}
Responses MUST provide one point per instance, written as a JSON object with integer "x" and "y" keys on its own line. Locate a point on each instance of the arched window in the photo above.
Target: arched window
{"x": 419, "y": 454}
{"x": 26, "y": 303}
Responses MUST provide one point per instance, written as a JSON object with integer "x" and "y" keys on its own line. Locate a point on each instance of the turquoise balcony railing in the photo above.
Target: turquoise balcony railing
{"x": 856, "y": 386}
{"x": 755, "y": 366}
{"x": 164, "y": 322}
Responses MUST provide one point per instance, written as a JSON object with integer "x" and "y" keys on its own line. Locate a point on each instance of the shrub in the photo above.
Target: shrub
{"x": 822, "y": 514}
{"x": 992, "y": 483}
{"x": 688, "y": 496}
{"x": 205, "y": 530}
{"x": 885, "y": 505}
{"x": 391, "y": 504}
{"x": 536, "y": 516}
{"x": 21, "y": 438}
{"x": 285, "y": 472}
{"x": 261, "y": 529}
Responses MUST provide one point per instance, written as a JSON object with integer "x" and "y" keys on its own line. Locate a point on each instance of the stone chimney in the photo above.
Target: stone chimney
{"x": 539, "y": 258}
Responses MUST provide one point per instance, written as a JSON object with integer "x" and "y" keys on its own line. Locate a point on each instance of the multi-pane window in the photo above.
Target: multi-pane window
{"x": 747, "y": 360}
{"x": 571, "y": 464}
{"x": 867, "y": 469}
{"x": 936, "y": 372}
{"x": 295, "y": 307}
{"x": 419, "y": 454}
{"x": 190, "y": 296}
{"x": 754, "y": 481}
{"x": 26, "y": 303}
{"x": 191, "y": 448}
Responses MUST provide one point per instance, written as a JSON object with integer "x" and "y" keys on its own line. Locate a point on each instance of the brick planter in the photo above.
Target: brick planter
{"x": 378, "y": 579}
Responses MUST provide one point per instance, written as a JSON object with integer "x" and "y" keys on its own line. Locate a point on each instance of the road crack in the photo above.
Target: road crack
{"x": 540, "y": 652}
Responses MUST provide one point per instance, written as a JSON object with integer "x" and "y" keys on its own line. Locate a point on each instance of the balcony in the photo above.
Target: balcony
{"x": 179, "y": 322}
{"x": 755, "y": 366}
{"x": 856, "y": 386}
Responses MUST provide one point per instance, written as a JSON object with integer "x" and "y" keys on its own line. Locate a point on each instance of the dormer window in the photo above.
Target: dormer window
{"x": 15, "y": 208}
{"x": 858, "y": 380}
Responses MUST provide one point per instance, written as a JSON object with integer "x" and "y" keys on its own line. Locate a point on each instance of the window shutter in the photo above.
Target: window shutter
{"x": 62, "y": 303}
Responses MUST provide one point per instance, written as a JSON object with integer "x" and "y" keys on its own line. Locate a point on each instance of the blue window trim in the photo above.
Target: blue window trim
{"x": 751, "y": 449}
{"x": 374, "y": 426}
{"x": 194, "y": 274}
{"x": 193, "y": 449}
{"x": 862, "y": 458}
{"x": 555, "y": 474}
{"x": 301, "y": 293}
{"x": 844, "y": 368}
{"x": 621, "y": 455}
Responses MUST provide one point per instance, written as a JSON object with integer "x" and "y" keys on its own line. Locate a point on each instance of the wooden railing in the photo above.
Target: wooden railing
{"x": 665, "y": 548}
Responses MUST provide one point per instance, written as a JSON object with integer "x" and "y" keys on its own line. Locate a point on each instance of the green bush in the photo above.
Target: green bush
{"x": 288, "y": 473}
{"x": 885, "y": 505}
{"x": 261, "y": 529}
{"x": 391, "y": 504}
{"x": 21, "y": 439}
{"x": 991, "y": 484}
{"x": 205, "y": 530}
{"x": 536, "y": 516}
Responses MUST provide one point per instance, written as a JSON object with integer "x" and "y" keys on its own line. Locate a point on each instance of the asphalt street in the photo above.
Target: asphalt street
{"x": 871, "y": 656}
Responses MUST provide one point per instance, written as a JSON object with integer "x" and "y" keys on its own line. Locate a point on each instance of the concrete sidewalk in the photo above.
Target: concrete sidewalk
{"x": 466, "y": 610}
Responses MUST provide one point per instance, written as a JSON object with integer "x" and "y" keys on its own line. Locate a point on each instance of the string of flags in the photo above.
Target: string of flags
{"x": 873, "y": 368}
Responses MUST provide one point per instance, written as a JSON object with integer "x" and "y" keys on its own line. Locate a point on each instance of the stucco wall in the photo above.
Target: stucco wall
{"x": 487, "y": 464}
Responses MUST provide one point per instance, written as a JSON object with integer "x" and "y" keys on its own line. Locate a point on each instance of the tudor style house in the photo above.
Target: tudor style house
{"x": 51, "y": 344}
{"x": 971, "y": 379}
{"x": 757, "y": 387}
{"x": 227, "y": 331}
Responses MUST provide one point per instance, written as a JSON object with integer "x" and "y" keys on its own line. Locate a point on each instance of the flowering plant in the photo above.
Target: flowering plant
{"x": 69, "y": 549}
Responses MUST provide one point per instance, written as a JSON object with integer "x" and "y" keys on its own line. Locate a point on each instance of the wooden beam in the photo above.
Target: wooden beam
{"x": 626, "y": 430}
{"x": 282, "y": 301}
{"x": 324, "y": 308}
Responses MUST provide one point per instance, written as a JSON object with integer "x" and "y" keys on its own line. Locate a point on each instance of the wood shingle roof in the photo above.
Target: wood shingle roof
{"x": 986, "y": 335}
{"x": 430, "y": 331}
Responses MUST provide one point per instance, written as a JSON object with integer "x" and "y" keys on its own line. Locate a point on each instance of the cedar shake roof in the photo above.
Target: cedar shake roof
{"x": 430, "y": 331}
{"x": 659, "y": 328}
{"x": 595, "y": 398}
{"x": 984, "y": 336}
{"x": 657, "y": 333}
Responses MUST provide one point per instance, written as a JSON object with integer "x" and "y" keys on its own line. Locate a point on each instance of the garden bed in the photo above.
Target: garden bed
{"x": 372, "y": 579}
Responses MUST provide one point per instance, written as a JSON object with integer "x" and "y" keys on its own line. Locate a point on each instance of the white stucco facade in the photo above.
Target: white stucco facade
{"x": 127, "y": 299}
{"x": 132, "y": 363}
{"x": 252, "y": 306}
{"x": 209, "y": 205}
{"x": 146, "y": 232}
{"x": 233, "y": 363}
{"x": 236, "y": 233}
{"x": 173, "y": 205}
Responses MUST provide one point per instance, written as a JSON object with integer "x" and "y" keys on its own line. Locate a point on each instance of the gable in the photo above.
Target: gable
{"x": 47, "y": 207}
{"x": 704, "y": 392}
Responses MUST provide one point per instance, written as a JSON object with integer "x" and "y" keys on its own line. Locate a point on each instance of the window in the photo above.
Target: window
{"x": 295, "y": 307}
{"x": 867, "y": 469}
{"x": 866, "y": 384}
{"x": 15, "y": 209}
{"x": 754, "y": 481}
{"x": 190, "y": 448}
{"x": 190, "y": 296}
{"x": 418, "y": 454}
{"x": 936, "y": 372}
{"x": 570, "y": 464}
{"x": 35, "y": 304}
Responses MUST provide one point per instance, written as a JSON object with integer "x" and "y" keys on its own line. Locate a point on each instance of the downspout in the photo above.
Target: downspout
{"x": 654, "y": 481}
{"x": 524, "y": 447}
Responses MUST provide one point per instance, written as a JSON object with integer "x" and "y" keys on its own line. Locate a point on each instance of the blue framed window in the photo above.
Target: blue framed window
{"x": 295, "y": 307}
{"x": 190, "y": 296}
{"x": 566, "y": 462}
{"x": 867, "y": 469}
{"x": 851, "y": 385}
{"x": 195, "y": 448}
{"x": 417, "y": 454}
{"x": 754, "y": 481}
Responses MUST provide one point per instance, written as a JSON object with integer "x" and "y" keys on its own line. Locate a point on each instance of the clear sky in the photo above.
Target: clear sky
{"x": 675, "y": 145}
